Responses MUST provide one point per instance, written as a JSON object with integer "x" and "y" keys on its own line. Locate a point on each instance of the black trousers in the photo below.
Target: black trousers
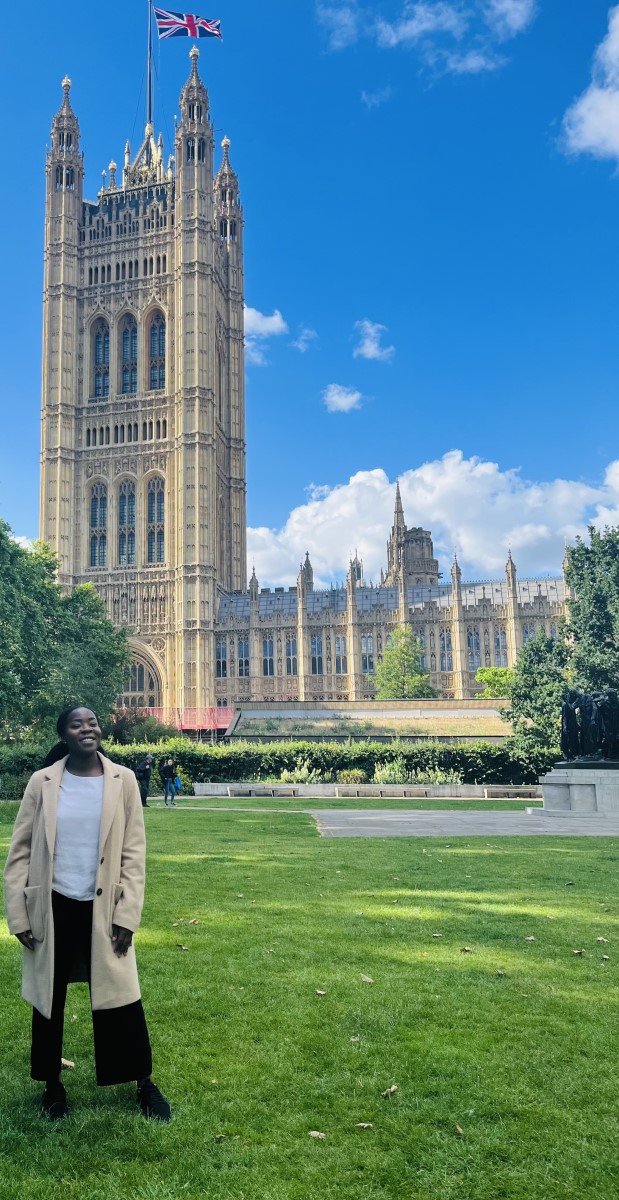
{"x": 122, "y": 1046}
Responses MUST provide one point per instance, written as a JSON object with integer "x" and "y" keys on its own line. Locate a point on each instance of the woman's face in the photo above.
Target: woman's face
{"x": 82, "y": 733}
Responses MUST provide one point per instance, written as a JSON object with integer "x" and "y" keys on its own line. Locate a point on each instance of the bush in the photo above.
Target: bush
{"x": 302, "y": 773}
{"x": 353, "y": 775}
{"x": 479, "y": 762}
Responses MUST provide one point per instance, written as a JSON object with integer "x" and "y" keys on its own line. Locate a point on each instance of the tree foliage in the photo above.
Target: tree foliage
{"x": 56, "y": 648}
{"x": 497, "y": 682}
{"x": 592, "y": 572}
{"x": 400, "y": 676}
{"x": 536, "y": 691}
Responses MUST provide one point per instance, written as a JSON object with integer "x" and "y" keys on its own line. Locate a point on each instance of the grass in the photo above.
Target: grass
{"x": 524, "y": 1062}
{"x": 432, "y": 725}
{"x": 296, "y": 803}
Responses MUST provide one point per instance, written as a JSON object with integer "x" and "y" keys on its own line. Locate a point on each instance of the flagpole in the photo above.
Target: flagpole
{"x": 149, "y": 73}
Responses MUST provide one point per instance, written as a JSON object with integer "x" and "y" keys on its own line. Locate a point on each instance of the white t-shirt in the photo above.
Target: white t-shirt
{"x": 76, "y": 853}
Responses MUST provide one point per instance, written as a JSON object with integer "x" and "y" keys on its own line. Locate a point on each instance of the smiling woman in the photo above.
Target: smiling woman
{"x": 74, "y": 889}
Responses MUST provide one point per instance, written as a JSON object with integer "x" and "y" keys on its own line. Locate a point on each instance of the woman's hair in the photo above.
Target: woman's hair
{"x": 60, "y": 750}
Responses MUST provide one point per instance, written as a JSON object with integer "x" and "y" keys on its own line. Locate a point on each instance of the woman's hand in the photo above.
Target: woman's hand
{"x": 121, "y": 939}
{"x": 26, "y": 939}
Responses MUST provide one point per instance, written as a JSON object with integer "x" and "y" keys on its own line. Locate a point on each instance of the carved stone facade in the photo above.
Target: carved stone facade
{"x": 143, "y": 456}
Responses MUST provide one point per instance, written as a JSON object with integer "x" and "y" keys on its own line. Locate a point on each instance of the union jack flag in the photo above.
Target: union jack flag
{"x": 173, "y": 24}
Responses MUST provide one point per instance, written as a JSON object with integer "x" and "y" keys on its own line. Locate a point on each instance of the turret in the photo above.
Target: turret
{"x": 65, "y": 167}
{"x": 228, "y": 211}
{"x": 194, "y": 135}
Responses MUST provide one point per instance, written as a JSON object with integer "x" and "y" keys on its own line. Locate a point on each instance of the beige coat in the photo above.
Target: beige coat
{"x": 119, "y": 887}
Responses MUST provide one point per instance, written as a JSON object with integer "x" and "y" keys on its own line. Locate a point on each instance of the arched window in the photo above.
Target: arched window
{"x": 70, "y": 178}
{"x": 221, "y": 658}
{"x": 144, "y": 431}
{"x": 129, "y": 356}
{"x": 421, "y": 637}
{"x": 165, "y": 263}
{"x": 117, "y": 272}
{"x": 159, "y": 264}
{"x": 87, "y": 437}
{"x": 201, "y": 150}
{"x": 473, "y": 647}
{"x": 528, "y": 633}
{"x": 267, "y": 655}
{"x": 150, "y": 431}
{"x": 126, "y": 524}
{"x": 500, "y": 647}
{"x": 158, "y": 429}
{"x": 367, "y": 654}
{"x": 96, "y": 274}
{"x": 233, "y": 231}
{"x": 164, "y": 428}
{"x": 341, "y": 663}
{"x": 107, "y": 435}
{"x": 109, "y": 273}
{"x": 130, "y": 432}
{"x": 191, "y": 149}
{"x": 59, "y": 177}
{"x": 155, "y": 522}
{"x": 142, "y": 688}
{"x": 90, "y": 276}
{"x": 156, "y": 355}
{"x": 101, "y": 358}
{"x": 98, "y": 525}
{"x": 447, "y": 662}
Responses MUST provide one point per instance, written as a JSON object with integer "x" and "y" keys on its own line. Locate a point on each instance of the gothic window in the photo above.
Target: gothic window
{"x": 142, "y": 688}
{"x": 500, "y": 647}
{"x": 473, "y": 647}
{"x": 144, "y": 431}
{"x": 123, "y": 270}
{"x": 421, "y": 637}
{"x": 126, "y": 524}
{"x": 316, "y": 648}
{"x": 128, "y": 379}
{"x": 59, "y": 177}
{"x": 553, "y": 631}
{"x": 156, "y": 352}
{"x": 201, "y": 150}
{"x": 164, "y": 428}
{"x": 70, "y": 178}
{"x": 129, "y": 433}
{"x": 150, "y": 431}
{"x": 446, "y": 655}
{"x": 101, "y": 358}
{"x": 159, "y": 264}
{"x": 223, "y": 228}
{"x": 165, "y": 263}
{"x": 158, "y": 429}
{"x": 116, "y": 435}
{"x": 98, "y": 525}
{"x": 528, "y": 633}
{"x": 487, "y": 659}
{"x": 90, "y": 275}
{"x": 291, "y": 656}
{"x": 267, "y": 655}
{"x": 221, "y": 658}
{"x": 341, "y": 661}
{"x": 243, "y": 657}
{"x": 191, "y": 149}
{"x": 107, "y": 435}
{"x": 87, "y": 437}
{"x": 232, "y": 231}
{"x": 155, "y": 521}
{"x": 367, "y": 654}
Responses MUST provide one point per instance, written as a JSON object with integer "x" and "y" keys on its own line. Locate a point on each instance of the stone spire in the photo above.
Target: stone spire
{"x": 65, "y": 125}
{"x": 194, "y": 96}
{"x": 228, "y": 207}
{"x": 254, "y": 585}
{"x": 398, "y": 516}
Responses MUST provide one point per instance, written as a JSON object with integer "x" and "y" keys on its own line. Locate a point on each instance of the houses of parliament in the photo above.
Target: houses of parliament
{"x": 143, "y": 480}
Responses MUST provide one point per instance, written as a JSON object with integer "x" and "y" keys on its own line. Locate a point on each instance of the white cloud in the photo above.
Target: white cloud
{"x": 24, "y": 542}
{"x": 370, "y": 335}
{"x": 342, "y": 22}
{"x": 341, "y": 399}
{"x": 420, "y": 20}
{"x": 450, "y": 36}
{"x": 468, "y": 503}
{"x": 305, "y": 339}
{"x": 591, "y": 124}
{"x": 377, "y": 98}
{"x": 510, "y": 17}
{"x": 258, "y": 327}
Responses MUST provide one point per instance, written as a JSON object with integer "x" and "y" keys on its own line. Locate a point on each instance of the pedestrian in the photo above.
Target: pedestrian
{"x": 142, "y": 774}
{"x": 74, "y": 889}
{"x": 167, "y": 772}
{"x": 178, "y": 785}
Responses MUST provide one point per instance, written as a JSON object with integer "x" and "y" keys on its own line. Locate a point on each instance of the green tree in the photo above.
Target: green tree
{"x": 540, "y": 679}
{"x": 592, "y": 571}
{"x": 55, "y": 648}
{"x": 497, "y": 681}
{"x": 400, "y": 676}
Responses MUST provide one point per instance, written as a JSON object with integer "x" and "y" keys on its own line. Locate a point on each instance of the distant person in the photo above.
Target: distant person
{"x": 74, "y": 889}
{"x": 143, "y": 773}
{"x": 167, "y": 773}
{"x": 178, "y": 785}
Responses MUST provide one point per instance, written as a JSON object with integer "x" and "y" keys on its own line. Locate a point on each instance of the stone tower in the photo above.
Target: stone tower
{"x": 143, "y": 422}
{"x": 410, "y": 553}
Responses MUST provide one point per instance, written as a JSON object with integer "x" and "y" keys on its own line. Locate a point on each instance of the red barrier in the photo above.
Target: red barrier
{"x": 192, "y": 718}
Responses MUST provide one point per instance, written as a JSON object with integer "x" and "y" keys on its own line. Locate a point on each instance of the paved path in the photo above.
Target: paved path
{"x": 423, "y": 823}
{"x": 386, "y": 822}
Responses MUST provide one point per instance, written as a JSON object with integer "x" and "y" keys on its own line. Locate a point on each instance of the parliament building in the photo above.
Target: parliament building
{"x": 143, "y": 478}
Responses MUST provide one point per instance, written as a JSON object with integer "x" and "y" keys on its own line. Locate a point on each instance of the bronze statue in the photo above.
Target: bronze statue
{"x": 590, "y": 725}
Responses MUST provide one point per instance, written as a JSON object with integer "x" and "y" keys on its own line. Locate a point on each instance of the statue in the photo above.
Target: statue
{"x": 590, "y": 725}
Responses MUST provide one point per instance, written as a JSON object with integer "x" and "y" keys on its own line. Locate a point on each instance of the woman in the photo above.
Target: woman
{"x": 74, "y": 889}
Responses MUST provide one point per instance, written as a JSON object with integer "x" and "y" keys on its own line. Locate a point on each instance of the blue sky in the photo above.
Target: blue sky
{"x": 431, "y": 199}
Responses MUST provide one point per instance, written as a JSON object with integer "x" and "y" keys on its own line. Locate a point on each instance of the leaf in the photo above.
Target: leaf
{"x": 66, "y": 1064}
{"x": 364, "y": 1125}
{"x": 466, "y": 949}
{"x": 601, "y": 939}
{"x": 459, "y": 1130}
{"x": 530, "y": 938}
{"x": 314, "y": 1133}
{"x": 319, "y": 992}
{"x": 391, "y": 1091}
{"x": 180, "y": 946}
{"x": 366, "y": 979}
{"x": 579, "y": 952}
{"x": 74, "y": 1016}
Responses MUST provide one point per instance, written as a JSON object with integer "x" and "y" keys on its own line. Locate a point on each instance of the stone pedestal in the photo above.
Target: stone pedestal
{"x": 590, "y": 788}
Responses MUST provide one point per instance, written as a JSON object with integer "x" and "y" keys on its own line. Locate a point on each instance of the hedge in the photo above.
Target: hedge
{"x": 478, "y": 762}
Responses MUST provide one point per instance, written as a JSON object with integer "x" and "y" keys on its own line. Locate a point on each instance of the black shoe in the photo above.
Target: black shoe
{"x": 153, "y": 1103}
{"x": 54, "y": 1102}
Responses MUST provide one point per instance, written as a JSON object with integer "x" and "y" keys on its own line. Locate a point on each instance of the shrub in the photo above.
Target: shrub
{"x": 392, "y": 772}
{"x": 302, "y": 773}
{"x": 352, "y": 775}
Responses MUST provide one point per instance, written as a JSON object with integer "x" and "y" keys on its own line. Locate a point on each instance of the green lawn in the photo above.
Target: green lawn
{"x": 523, "y": 1063}
{"x": 294, "y": 803}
